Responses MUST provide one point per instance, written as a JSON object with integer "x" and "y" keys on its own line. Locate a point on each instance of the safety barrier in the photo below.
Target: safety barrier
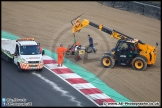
{"x": 145, "y": 8}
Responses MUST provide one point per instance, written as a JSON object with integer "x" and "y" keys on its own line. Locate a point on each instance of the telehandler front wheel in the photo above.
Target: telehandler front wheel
{"x": 107, "y": 61}
{"x": 139, "y": 64}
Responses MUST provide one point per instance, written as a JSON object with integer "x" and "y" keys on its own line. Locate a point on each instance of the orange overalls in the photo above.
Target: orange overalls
{"x": 40, "y": 48}
{"x": 60, "y": 51}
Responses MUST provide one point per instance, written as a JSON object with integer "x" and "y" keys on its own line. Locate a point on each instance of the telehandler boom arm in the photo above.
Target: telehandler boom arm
{"x": 78, "y": 25}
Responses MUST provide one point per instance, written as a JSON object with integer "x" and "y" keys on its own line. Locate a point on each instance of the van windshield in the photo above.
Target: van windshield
{"x": 30, "y": 50}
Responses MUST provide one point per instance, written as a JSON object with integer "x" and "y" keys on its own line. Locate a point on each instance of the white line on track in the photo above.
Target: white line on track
{"x": 56, "y": 87}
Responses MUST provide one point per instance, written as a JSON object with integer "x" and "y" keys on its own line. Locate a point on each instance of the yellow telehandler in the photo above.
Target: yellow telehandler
{"x": 128, "y": 51}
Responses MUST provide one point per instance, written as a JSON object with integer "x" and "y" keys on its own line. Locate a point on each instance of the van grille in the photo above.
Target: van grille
{"x": 33, "y": 61}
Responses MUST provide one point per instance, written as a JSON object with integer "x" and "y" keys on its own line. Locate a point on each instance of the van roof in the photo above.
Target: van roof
{"x": 27, "y": 43}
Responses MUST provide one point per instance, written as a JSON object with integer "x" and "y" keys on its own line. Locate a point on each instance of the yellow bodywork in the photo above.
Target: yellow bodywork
{"x": 139, "y": 64}
{"x": 81, "y": 52}
{"x": 145, "y": 49}
{"x": 149, "y": 52}
{"x": 78, "y": 25}
{"x": 106, "y": 61}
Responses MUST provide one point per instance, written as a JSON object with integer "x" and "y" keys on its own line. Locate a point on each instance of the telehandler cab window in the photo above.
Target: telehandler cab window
{"x": 133, "y": 47}
{"x": 122, "y": 46}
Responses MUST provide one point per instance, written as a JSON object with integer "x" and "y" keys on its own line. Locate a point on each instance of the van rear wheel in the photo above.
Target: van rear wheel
{"x": 7, "y": 58}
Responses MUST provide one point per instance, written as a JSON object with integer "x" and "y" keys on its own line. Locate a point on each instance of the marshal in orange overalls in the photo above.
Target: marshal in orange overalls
{"x": 40, "y": 48}
{"x": 60, "y": 51}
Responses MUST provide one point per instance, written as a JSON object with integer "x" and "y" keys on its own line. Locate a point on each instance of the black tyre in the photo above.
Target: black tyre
{"x": 2, "y": 54}
{"x": 12, "y": 60}
{"x": 40, "y": 70}
{"x": 107, "y": 61}
{"x": 139, "y": 63}
{"x": 19, "y": 68}
{"x": 7, "y": 58}
{"x": 88, "y": 49}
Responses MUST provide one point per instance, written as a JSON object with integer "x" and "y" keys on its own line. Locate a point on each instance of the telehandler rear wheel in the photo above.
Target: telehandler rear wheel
{"x": 107, "y": 61}
{"x": 139, "y": 63}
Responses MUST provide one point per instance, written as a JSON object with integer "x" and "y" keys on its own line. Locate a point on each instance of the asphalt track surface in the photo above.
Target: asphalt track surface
{"x": 27, "y": 85}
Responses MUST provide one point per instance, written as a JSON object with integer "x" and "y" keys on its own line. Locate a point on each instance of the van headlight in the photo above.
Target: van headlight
{"x": 24, "y": 61}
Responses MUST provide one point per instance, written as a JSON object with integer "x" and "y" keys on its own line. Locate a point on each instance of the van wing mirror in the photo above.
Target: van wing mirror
{"x": 14, "y": 54}
{"x": 43, "y": 52}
